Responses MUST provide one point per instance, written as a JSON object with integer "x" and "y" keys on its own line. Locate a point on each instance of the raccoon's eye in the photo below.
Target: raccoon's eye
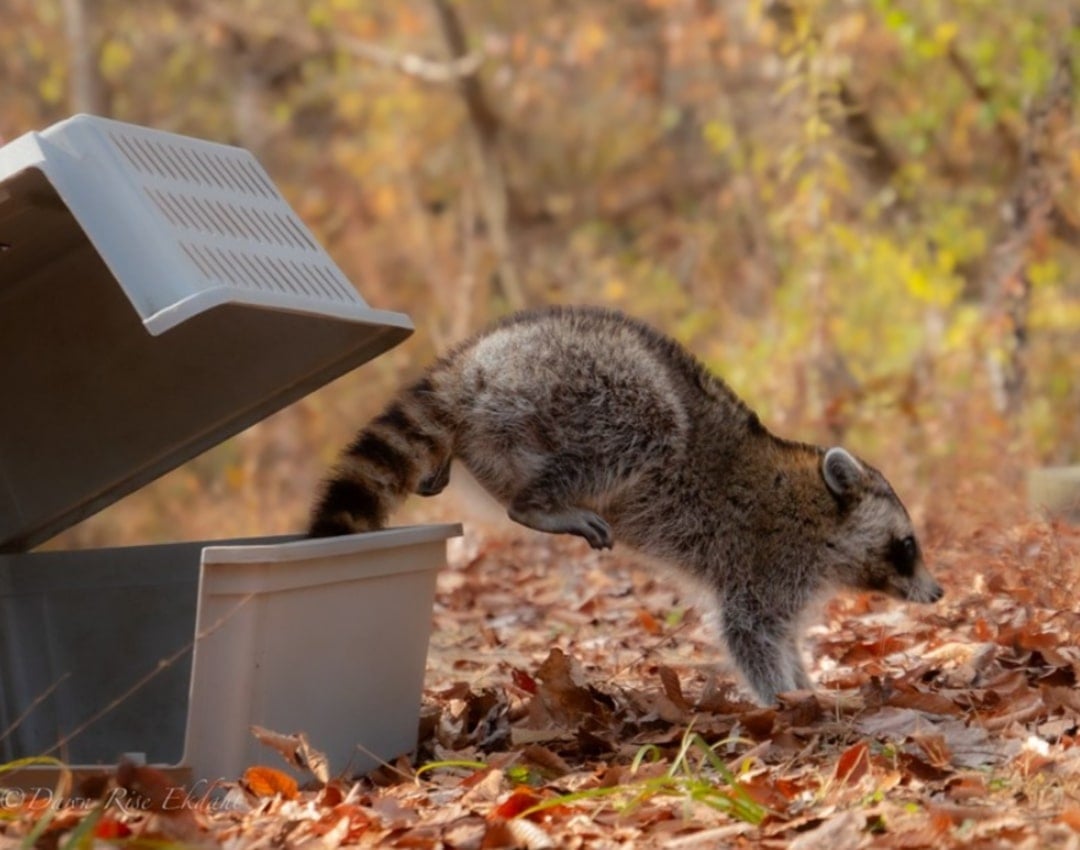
{"x": 903, "y": 554}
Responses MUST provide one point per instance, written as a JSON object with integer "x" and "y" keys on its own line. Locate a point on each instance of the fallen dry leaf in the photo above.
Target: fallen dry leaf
{"x": 843, "y": 831}
{"x": 853, "y": 764}
{"x": 520, "y": 800}
{"x": 268, "y": 782}
{"x": 1070, "y": 816}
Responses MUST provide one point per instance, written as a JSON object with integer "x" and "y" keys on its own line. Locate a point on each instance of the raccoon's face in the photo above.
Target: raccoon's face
{"x": 874, "y": 546}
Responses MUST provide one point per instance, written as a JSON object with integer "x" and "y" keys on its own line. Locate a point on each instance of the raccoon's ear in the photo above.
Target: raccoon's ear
{"x": 842, "y": 473}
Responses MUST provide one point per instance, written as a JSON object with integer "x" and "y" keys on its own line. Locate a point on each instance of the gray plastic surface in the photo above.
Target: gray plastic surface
{"x": 157, "y": 295}
{"x": 78, "y": 630}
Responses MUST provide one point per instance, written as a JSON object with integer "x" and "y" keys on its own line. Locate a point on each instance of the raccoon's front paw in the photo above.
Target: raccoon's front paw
{"x": 593, "y": 527}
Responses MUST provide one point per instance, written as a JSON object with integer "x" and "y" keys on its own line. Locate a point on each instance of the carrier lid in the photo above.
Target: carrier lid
{"x": 157, "y": 295}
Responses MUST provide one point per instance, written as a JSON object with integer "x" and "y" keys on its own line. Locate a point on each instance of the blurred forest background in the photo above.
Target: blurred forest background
{"x": 862, "y": 213}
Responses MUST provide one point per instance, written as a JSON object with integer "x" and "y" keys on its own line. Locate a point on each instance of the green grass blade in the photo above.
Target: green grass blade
{"x": 82, "y": 836}
{"x": 448, "y": 764}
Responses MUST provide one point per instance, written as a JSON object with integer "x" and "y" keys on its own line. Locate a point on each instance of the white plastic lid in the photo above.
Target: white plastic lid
{"x": 157, "y": 295}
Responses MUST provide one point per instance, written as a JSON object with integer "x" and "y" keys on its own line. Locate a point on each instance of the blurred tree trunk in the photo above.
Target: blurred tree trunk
{"x": 486, "y": 130}
{"x": 87, "y": 91}
{"x": 1028, "y": 215}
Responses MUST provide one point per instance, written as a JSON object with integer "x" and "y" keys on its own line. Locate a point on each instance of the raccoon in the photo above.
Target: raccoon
{"x": 584, "y": 421}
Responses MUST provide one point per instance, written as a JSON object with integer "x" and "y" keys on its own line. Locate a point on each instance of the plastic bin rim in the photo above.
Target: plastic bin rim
{"x": 291, "y": 548}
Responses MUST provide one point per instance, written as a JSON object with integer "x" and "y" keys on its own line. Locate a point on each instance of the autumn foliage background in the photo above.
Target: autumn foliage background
{"x": 861, "y": 214}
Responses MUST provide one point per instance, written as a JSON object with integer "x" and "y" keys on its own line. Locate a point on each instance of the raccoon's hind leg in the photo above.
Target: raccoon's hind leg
{"x": 793, "y": 656}
{"x": 580, "y": 521}
{"x": 548, "y": 503}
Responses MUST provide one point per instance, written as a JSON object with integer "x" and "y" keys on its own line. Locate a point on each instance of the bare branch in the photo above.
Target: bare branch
{"x": 462, "y": 66}
{"x": 427, "y": 70}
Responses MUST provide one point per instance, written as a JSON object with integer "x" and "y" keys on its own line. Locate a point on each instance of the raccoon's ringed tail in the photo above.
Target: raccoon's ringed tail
{"x": 406, "y": 449}
{"x": 346, "y": 506}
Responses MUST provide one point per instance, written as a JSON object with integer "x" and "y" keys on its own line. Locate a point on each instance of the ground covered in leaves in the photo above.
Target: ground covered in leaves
{"x": 577, "y": 700}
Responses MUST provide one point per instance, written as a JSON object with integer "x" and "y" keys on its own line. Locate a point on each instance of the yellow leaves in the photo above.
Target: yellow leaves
{"x": 318, "y": 15}
{"x": 945, "y": 33}
{"x": 919, "y": 284}
{"x": 1053, "y": 310}
{"x": 720, "y": 135}
{"x": 933, "y": 285}
{"x": 928, "y": 276}
{"x": 351, "y": 104}
{"x": 614, "y": 290}
{"x": 912, "y": 34}
{"x": 116, "y": 58}
{"x": 1044, "y": 272}
{"x": 51, "y": 88}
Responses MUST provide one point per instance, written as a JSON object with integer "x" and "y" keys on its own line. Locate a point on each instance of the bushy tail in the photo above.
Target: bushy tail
{"x": 406, "y": 449}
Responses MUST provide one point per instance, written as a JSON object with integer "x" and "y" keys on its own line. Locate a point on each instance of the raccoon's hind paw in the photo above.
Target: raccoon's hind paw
{"x": 593, "y": 527}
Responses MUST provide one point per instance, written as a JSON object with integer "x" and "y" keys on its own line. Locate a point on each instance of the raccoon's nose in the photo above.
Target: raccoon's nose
{"x": 936, "y": 592}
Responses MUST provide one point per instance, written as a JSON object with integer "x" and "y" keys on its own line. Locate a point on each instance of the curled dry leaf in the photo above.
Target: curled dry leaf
{"x": 568, "y": 701}
{"x": 673, "y": 688}
{"x": 935, "y": 749}
{"x": 296, "y": 750}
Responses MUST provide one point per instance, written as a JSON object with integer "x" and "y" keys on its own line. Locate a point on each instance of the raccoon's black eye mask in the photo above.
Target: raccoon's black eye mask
{"x": 902, "y": 554}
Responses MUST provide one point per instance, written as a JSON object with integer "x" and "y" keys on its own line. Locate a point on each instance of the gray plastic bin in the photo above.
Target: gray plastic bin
{"x": 328, "y": 637}
{"x": 157, "y": 295}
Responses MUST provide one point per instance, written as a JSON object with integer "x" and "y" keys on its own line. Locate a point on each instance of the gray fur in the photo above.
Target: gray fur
{"x": 583, "y": 421}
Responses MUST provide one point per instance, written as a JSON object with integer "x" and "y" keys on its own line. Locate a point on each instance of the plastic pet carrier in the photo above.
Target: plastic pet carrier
{"x": 157, "y": 295}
